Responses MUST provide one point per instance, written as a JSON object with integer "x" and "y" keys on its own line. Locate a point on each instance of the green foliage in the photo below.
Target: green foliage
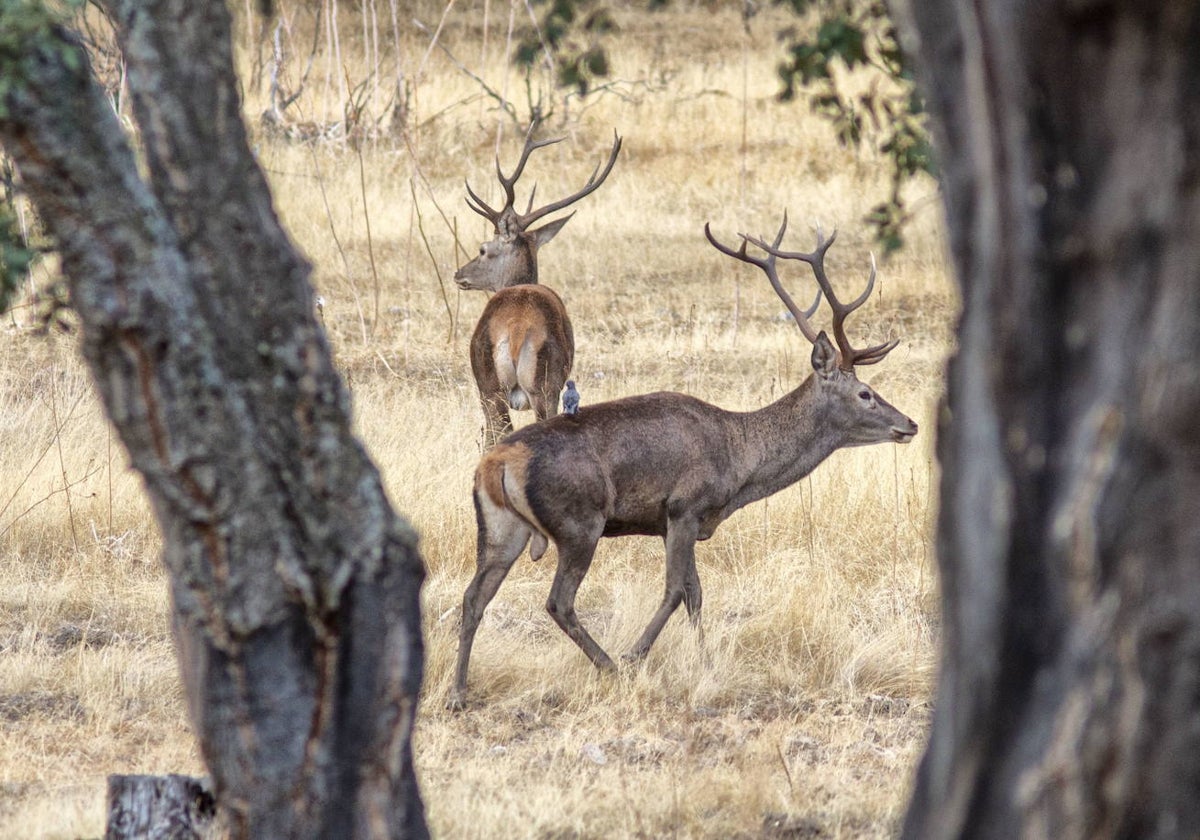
{"x": 569, "y": 33}
{"x": 29, "y": 33}
{"x": 835, "y": 40}
{"x": 15, "y": 257}
{"x": 17, "y": 253}
{"x": 846, "y": 37}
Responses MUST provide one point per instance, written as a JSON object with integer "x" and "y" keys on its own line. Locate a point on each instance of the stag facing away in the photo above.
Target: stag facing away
{"x": 523, "y": 347}
{"x": 667, "y": 464}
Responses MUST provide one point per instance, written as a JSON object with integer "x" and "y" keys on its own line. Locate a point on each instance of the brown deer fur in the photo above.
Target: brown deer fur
{"x": 523, "y": 347}
{"x": 522, "y": 351}
{"x": 663, "y": 464}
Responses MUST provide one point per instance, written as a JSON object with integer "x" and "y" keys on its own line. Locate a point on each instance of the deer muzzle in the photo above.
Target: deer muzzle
{"x": 904, "y": 433}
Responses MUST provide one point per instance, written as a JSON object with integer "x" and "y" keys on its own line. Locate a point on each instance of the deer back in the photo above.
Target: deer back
{"x": 523, "y": 345}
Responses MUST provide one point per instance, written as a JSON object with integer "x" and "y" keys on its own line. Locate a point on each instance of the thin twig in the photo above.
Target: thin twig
{"x": 277, "y": 64}
{"x": 62, "y": 464}
{"x": 435, "y": 37}
{"x": 110, "y": 481}
{"x": 487, "y": 89}
{"x": 386, "y": 365}
{"x": 400, "y": 108}
{"x": 896, "y": 531}
{"x": 787, "y": 771}
{"x": 432, "y": 195}
{"x": 436, "y": 268}
{"x": 37, "y": 461}
{"x": 65, "y": 489}
{"x": 338, "y": 243}
{"x": 362, "y": 180}
{"x": 812, "y": 545}
{"x": 508, "y": 40}
{"x": 541, "y": 39}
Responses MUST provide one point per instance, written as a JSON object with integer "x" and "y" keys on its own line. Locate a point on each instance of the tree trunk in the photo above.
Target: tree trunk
{"x": 1068, "y": 135}
{"x": 294, "y": 585}
{"x": 160, "y": 808}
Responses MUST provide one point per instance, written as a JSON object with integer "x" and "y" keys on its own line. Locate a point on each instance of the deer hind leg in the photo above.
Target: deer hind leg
{"x": 496, "y": 420}
{"x": 502, "y": 538}
{"x": 574, "y": 560}
{"x": 539, "y": 378}
{"x": 682, "y": 585}
{"x": 545, "y": 403}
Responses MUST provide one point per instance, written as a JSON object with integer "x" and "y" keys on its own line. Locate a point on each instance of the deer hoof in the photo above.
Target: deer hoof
{"x": 456, "y": 703}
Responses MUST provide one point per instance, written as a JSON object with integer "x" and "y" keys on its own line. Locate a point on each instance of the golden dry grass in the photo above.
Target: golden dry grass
{"x": 805, "y": 713}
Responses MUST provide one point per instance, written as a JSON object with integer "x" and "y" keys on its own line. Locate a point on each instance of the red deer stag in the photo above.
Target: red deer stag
{"x": 666, "y": 464}
{"x": 523, "y": 346}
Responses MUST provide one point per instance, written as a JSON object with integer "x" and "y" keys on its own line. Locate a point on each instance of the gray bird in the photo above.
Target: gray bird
{"x": 570, "y": 399}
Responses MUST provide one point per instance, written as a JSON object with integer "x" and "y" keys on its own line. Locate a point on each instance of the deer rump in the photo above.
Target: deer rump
{"x": 523, "y": 348}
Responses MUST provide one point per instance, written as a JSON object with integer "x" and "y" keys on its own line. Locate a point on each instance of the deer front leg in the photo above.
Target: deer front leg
{"x": 501, "y": 541}
{"x": 683, "y": 584}
{"x": 574, "y": 560}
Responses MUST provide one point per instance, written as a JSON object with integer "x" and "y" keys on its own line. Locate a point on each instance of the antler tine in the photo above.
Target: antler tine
{"x": 861, "y": 299}
{"x": 509, "y": 183}
{"x": 480, "y": 206}
{"x": 816, "y": 259}
{"x": 593, "y": 183}
{"x": 767, "y": 265}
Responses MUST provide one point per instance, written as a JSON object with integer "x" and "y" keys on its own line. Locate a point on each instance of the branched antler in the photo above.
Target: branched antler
{"x": 850, "y": 356}
{"x": 767, "y": 264}
{"x": 509, "y": 182}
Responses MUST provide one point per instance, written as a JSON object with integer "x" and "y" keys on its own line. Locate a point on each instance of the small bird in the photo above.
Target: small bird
{"x": 570, "y": 399}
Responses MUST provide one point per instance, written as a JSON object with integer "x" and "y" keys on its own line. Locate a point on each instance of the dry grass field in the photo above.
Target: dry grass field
{"x": 806, "y": 715}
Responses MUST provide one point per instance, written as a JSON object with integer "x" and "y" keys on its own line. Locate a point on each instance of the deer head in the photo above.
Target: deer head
{"x": 850, "y": 405}
{"x": 510, "y": 258}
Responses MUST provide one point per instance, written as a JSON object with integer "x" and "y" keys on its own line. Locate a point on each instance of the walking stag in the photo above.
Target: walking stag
{"x": 523, "y": 347}
{"x": 667, "y": 464}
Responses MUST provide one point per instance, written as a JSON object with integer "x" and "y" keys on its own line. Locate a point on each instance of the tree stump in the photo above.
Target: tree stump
{"x": 170, "y": 807}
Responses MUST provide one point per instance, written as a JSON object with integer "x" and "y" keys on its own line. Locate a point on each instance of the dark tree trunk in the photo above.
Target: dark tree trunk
{"x": 160, "y": 808}
{"x": 294, "y": 584}
{"x": 1068, "y": 704}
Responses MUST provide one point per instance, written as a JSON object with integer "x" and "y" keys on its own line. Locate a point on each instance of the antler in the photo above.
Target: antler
{"x": 524, "y": 220}
{"x": 767, "y": 264}
{"x": 849, "y": 355}
{"x": 507, "y": 182}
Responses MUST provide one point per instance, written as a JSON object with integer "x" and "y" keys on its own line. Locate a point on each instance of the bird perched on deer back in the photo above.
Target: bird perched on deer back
{"x": 570, "y": 399}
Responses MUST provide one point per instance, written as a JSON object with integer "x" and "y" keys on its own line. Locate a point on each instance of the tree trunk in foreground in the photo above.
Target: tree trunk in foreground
{"x": 1068, "y": 704}
{"x": 294, "y": 584}
{"x": 160, "y": 808}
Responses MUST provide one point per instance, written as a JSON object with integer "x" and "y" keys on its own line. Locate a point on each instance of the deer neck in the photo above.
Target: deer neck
{"x": 527, "y": 264}
{"x": 785, "y": 441}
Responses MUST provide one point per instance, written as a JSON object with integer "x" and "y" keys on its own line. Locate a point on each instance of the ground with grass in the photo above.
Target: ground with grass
{"x": 805, "y": 710}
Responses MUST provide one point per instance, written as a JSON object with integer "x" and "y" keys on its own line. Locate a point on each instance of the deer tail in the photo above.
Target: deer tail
{"x": 500, "y": 478}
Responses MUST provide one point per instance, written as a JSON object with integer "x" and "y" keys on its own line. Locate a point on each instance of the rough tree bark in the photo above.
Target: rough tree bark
{"x": 294, "y": 585}
{"x": 160, "y": 808}
{"x": 1068, "y": 703}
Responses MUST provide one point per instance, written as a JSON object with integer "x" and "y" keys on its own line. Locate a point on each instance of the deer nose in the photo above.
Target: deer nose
{"x": 906, "y": 433}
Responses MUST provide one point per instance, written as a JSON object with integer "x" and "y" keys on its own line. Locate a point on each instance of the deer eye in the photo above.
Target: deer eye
{"x": 482, "y": 250}
{"x": 864, "y": 395}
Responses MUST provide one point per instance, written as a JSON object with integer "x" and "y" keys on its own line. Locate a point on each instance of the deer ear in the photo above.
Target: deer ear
{"x": 547, "y": 231}
{"x": 824, "y": 357}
